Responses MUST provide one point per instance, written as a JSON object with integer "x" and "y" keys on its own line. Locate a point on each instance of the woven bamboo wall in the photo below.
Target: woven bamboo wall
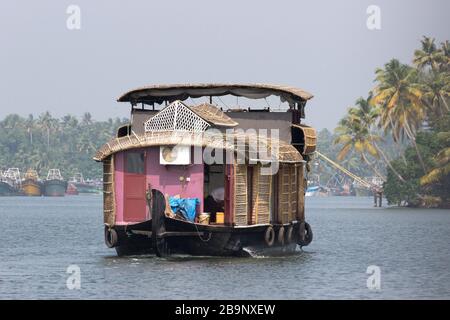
{"x": 261, "y": 191}
{"x": 301, "y": 193}
{"x": 284, "y": 187}
{"x": 294, "y": 192}
{"x": 109, "y": 215}
{"x": 240, "y": 194}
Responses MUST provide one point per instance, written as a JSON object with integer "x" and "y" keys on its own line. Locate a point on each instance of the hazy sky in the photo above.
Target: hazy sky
{"x": 323, "y": 47}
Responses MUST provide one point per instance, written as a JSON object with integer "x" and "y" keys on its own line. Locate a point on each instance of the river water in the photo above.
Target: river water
{"x": 41, "y": 237}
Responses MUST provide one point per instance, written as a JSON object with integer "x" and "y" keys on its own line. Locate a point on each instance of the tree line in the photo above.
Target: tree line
{"x": 410, "y": 105}
{"x": 67, "y": 143}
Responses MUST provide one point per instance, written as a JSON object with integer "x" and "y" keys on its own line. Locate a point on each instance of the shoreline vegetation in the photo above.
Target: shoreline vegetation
{"x": 399, "y": 133}
{"x": 410, "y": 106}
{"x": 43, "y": 143}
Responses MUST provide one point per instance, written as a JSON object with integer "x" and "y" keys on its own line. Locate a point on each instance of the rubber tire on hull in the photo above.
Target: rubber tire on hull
{"x": 111, "y": 237}
{"x": 280, "y": 238}
{"x": 290, "y": 234}
{"x": 305, "y": 235}
{"x": 269, "y": 236}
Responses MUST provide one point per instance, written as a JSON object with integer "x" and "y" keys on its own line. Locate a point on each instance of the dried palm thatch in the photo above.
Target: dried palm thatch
{"x": 213, "y": 115}
{"x": 253, "y": 147}
{"x": 160, "y": 93}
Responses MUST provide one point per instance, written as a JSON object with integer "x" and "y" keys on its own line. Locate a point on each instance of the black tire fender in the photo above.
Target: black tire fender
{"x": 305, "y": 234}
{"x": 111, "y": 237}
{"x": 290, "y": 234}
{"x": 269, "y": 236}
{"x": 281, "y": 233}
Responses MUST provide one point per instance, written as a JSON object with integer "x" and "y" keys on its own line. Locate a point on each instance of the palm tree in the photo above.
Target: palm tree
{"x": 442, "y": 160}
{"x": 399, "y": 96}
{"x": 45, "y": 122}
{"x": 29, "y": 125}
{"x": 429, "y": 55}
{"x": 445, "y": 63}
{"x": 357, "y": 133}
{"x": 354, "y": 133}
{"x": 436, "y": 92}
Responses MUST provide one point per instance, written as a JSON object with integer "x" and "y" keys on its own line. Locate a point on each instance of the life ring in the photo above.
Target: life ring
{"x": 111, "y": 237}
{"x": 280, "y": 238}
{"x": 290, "y": 234}
{"x": 269, "y": 236}
{"x": 305, "y": 234}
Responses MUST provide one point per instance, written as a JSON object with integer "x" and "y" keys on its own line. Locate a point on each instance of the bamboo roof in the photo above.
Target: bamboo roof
{"x": 213, "y": 115}
{"x": 238, "y": 142}
{"x": 160, "y": 93}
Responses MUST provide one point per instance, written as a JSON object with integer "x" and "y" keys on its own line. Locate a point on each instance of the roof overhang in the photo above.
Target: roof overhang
{"x": 272, "y": 150}
{"x": 161, "y": 93}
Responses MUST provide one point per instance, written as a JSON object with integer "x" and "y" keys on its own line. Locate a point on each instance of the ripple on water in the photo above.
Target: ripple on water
{"x": 45, "y": 235}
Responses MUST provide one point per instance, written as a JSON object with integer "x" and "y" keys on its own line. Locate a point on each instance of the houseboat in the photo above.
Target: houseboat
{"x": 54, "y": 184}
{"x": 31, "y": 185}
{"x": 199, "y": 179}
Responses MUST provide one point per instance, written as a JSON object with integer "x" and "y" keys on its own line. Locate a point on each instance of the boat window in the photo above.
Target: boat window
{"x": 135, "y": 162}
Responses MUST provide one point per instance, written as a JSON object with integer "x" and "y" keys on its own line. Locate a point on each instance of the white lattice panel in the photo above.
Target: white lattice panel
{"x": 176, "y": 117}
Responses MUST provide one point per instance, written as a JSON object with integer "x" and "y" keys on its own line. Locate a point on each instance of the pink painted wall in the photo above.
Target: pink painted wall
{"x": 164, "y": 178}
{"x": 119, "y": 164}
{"x": 167, "y": 178}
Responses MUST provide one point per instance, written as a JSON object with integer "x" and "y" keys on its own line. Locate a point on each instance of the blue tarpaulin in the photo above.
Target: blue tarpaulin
{"x": 184, "y": 206}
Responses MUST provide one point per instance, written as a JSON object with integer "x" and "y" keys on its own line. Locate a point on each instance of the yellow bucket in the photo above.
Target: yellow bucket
{"x": 203, "y": 218}
{"x": 220, "y": 217}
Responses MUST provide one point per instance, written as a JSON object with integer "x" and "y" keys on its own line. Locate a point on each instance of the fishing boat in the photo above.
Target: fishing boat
{"x": 82, "y": 186}
{"x": 31, "y": 186}
{"x": 203, "y": 180}
{"x": 71, "y": 189}
{"x": 54, "y": 184}
{"x": 10, "y": 182}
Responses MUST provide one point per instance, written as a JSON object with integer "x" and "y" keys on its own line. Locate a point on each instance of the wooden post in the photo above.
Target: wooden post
{"x": 374, "y": 198}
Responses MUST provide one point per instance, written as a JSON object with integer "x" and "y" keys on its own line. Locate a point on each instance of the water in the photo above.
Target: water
{"x": 41, "y": 237}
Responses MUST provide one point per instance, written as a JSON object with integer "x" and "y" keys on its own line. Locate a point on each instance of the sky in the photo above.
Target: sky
{"x": 323, "y": 47}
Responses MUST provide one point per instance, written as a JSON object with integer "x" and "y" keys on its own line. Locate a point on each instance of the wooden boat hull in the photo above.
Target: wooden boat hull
{"x": 181, "y": 237}
{"x": 32, "y": 188}
{"x": 55, "y": 188}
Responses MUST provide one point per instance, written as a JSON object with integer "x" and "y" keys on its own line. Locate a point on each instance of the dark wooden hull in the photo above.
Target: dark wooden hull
{"x": 181, "y": 237}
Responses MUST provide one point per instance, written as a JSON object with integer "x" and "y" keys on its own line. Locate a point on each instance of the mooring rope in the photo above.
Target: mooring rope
{"x": 198, "y": 233}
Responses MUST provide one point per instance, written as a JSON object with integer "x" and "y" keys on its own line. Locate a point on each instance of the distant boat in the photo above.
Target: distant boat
{"x": 81, "y": 185}
{"x": 317, "y": 191}
{"x": 71, "y": 190}
{"x": 31, "y": 185}
{"x": 54, "y": 185}
{"x": 312, "y": 191}
{"x": 10, "y": 182}
{"x": 6, "y": 187}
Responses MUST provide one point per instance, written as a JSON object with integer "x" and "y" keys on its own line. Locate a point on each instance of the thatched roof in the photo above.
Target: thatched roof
{"x": 237, "y": 142}
{"x": 213, "y": 115}
{"x": 160, "y": 93}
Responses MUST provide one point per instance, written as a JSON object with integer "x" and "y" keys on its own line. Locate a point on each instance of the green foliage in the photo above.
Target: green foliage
{"x": 67, "y": 144}
{"x": 410, "y": 104}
